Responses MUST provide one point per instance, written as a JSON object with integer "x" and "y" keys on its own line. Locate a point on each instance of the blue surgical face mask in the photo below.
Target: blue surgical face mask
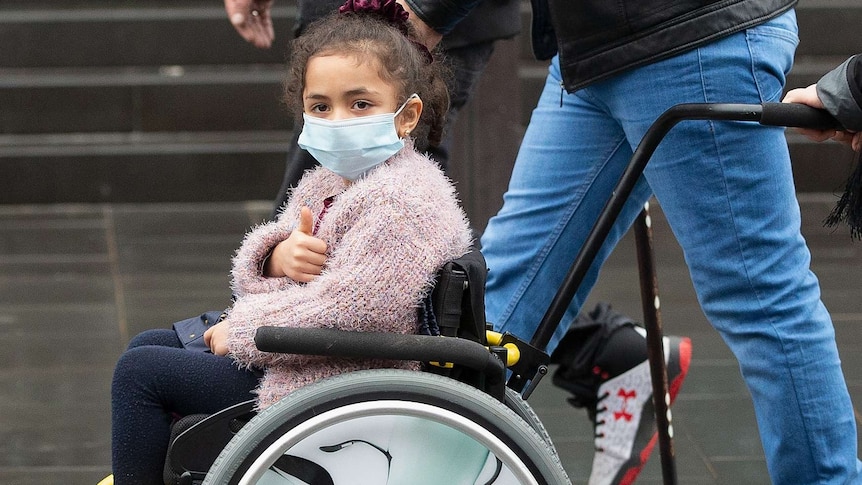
{"x": 353, "y": 146}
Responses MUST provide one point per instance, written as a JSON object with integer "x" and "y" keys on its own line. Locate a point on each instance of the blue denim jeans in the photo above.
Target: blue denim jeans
{"x": 727, "y": 191}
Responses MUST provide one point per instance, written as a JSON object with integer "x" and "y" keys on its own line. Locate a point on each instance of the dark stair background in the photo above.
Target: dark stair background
{"x": 121, "y": 101}
{"x": 130, "y": 101}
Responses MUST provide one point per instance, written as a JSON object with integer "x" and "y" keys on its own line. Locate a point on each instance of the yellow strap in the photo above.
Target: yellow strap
{"x": 493, "y": 338}
{"x": 513, "y": 354}
{"x": 109, "y": 480}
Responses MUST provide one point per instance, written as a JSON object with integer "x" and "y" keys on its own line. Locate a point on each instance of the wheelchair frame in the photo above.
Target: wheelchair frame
{"x": 481, "y": 363}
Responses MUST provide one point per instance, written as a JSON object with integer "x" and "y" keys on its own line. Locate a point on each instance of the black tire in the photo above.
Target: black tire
{"x": 525, "y": 411}
{"x": 522, "y": 452}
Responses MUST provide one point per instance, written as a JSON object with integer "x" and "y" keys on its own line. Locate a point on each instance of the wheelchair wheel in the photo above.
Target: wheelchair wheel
{"x": 389, "y": 427}
{"x": 517, "y": 404}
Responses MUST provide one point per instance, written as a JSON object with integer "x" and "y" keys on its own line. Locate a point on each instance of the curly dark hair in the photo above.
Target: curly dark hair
{"x": 402, "y": 63}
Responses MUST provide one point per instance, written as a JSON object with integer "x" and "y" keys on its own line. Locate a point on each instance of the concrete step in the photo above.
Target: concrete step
{"x": 142, "y": 99}
{"x": 829, "y": 27}
{"x": 128, "y": 101}
{"x": 122, "y": 100}
{"x": 171, "y": 167}
{"x": 126, "y": 144}
{"x": 119, "y": 34}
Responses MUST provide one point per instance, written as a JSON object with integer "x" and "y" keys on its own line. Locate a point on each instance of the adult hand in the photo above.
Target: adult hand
{"x": 425, "y": 34}
{"x": 253, "y": 20}
{"x": 301, "y": 256}
{"x": 215, "y": 338}
{"x": 809, "y": 96}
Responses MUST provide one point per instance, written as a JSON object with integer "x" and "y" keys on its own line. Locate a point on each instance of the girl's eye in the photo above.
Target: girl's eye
{"x": 361, "y": 105}
{"x": 319, "y": 108}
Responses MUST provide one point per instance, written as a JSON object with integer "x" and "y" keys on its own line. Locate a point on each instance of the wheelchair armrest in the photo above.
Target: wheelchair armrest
{"x": 331, "y": 342}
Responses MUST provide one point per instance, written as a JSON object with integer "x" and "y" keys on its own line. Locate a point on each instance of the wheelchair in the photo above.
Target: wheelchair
{"x": 456, "y": 422}
{"x": 461, "y": 421}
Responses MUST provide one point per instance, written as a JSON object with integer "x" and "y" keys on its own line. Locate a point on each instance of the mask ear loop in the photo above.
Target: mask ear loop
{"x": 397, "y": 112}
{"x": 403, "y": 105}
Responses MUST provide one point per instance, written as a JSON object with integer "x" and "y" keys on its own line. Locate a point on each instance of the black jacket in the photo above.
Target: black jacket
{"x": 840, "y": 90}
{"x": 600, "y": 38}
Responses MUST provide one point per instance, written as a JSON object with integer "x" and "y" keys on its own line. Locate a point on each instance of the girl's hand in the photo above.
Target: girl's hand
{"x": 809, "y": 96}
{"x": 301, "y": 256}
{"x": 215, "y": 338}
{"x": 252, "y": 19}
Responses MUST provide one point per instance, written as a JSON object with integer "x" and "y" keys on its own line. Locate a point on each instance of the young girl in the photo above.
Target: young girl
{"x": 356, "y": 248}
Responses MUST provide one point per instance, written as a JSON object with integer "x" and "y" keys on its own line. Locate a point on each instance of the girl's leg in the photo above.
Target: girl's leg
{"x": 727, "y": 190}
{"x": 164, "y": 337}
{"x": 151, "y": 383}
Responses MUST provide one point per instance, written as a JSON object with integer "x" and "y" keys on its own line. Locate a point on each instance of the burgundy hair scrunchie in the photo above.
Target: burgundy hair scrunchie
{"x": 388, "y": 10}
{"x": 391, "y": 12}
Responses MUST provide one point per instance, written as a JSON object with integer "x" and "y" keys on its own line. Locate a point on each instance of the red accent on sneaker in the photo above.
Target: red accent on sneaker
{"x": 684, "y": 361}
{"x": 623, "y": 412}
{"x": 632, "y": 474}
{"x": 673, "y": 389}
{"x": 618, "y": 415}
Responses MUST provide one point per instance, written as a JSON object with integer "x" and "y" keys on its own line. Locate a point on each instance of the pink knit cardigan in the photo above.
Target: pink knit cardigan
{"x": 387, "y": 235}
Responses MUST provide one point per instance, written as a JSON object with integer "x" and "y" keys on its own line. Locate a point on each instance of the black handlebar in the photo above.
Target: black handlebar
{"x": 798, "y": 116}
{"x": 332, "y": 342}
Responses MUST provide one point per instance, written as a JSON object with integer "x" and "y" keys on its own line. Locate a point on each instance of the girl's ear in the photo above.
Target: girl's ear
{"x": 408, "y": 118}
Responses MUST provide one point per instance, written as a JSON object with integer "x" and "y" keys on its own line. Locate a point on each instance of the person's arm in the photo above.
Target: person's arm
{"x": 252, "y": 19}
{"x": 264, "y": 260}
{"x": 372, "y": 276}
{"x": 248, "y": 273}
{"x": 301, "y": 257}
{"x": 382, "y": 266}
{"x": 432, "y": 19}
{"x": 840, "y": 93}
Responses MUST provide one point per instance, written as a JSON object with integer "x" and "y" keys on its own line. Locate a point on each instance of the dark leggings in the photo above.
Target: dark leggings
{"x": 155, "y": 380}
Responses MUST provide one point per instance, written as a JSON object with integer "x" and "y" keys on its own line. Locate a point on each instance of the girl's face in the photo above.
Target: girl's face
{"x": 338, "y": 87}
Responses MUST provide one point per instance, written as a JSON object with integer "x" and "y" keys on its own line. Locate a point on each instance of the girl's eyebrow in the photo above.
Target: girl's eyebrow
{"x": 351, "y": 92}
{"x": 359, "y": 91}
{"x": 315, "y": 96}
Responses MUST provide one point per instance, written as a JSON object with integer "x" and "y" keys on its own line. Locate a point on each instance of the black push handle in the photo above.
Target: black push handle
{"x": 798, "y": 116}
{"x": 332, "y": 342}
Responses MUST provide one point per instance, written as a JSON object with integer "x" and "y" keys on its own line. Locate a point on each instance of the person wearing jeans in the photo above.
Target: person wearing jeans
{"x": 736, "y": 218}
{"x": 726, "y": 189}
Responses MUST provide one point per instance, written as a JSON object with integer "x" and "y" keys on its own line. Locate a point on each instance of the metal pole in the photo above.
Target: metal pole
{"x": 655, "y": 349}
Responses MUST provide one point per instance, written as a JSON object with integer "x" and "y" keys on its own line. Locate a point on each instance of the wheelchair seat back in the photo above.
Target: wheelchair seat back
{"x": 458, "y": 298}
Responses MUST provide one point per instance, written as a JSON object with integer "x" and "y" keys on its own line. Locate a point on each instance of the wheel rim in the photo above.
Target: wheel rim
{"x": 513, "y": 466}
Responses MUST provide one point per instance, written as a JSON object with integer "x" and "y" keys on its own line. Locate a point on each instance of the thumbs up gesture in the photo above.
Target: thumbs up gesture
{"x": 301, "y": 256}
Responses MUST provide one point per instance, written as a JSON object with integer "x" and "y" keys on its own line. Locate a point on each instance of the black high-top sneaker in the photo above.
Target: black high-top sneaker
{"x": 616, "y": 390}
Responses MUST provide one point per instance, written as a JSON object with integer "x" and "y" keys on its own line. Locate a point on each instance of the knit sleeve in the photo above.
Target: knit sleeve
{"x": 248, "y": 262}
{"x": 383, "y": 266}
{"x": 258, "y": 244}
